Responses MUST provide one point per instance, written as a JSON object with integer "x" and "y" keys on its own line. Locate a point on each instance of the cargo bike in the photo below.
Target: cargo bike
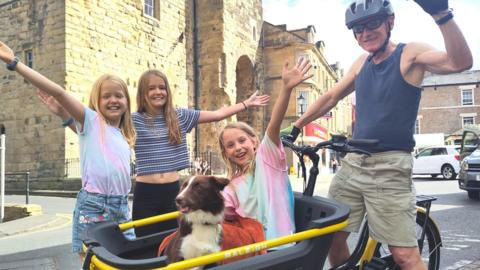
{"x": 316, "y": 220}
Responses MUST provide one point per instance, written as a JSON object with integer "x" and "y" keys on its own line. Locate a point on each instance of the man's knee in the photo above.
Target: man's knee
{"x": 407, "y": 257}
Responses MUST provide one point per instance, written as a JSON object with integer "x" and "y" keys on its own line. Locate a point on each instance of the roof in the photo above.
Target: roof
{"x": 466, "y": 77}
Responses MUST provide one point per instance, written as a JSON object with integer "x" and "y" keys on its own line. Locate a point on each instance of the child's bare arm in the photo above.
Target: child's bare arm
{"x": 291, "y": 78}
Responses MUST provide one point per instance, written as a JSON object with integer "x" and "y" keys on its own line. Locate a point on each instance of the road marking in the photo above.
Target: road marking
{"x": 439, "y": 207}
{"x": 457, "y": 265}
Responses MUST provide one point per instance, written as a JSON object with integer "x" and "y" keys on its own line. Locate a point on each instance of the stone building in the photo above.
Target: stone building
{"x": 281, "y": 44}
{"x": 209, "y": 50}
{"x": 449, "y": 103}
{"x": 212, "y": 51}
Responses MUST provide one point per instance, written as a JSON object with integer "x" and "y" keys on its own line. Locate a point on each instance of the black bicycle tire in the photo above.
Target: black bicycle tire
{"x": 432, "y": 235}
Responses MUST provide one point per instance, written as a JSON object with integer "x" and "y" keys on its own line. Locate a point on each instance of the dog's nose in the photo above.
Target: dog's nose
{"x": 179, "y": 200}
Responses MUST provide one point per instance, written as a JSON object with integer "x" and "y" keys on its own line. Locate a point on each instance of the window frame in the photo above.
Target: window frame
{"x": 465, "y": 117}
{"x": 471, "y": 102}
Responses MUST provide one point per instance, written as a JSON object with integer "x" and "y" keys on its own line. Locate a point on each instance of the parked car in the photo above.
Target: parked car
{"x": 469, "y": 176}
{"x": 438, "y": 160}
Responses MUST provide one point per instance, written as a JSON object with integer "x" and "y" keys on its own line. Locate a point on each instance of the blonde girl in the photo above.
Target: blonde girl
{"x": 106, "y": 137}
{"x": 259, "y": 186}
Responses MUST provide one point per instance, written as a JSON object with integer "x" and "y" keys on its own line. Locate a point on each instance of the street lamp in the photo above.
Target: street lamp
{"x": 301, "y": 103}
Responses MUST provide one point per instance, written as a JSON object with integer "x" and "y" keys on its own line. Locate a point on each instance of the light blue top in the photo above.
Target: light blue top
{"x": 104, "y": 156}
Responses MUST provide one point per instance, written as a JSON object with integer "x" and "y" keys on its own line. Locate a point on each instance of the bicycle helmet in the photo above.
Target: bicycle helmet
{"x": 360, "y": 10}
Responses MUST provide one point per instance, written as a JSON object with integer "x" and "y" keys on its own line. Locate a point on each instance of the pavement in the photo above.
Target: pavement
{"x": 48, "y": 222}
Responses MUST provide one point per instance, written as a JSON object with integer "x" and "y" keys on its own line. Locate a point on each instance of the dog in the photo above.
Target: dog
{"x": 200, "y": 225}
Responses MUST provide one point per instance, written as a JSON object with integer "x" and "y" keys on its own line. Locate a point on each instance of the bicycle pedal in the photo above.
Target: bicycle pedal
{"x": 375, "y": 264}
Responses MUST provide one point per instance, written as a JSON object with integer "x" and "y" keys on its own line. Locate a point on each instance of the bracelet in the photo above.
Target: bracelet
{"x": 67, "y": 122}
{"x": 445, "y": 18}
{"x": 13, "y": 65}
{"x": 244, "y": 105}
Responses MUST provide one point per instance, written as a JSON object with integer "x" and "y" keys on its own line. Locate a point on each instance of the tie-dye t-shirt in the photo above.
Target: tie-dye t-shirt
{"x": 104, "y": 156}
{"x": 266, "y": 195}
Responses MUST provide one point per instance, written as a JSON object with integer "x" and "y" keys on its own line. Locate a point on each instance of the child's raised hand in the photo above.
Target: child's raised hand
{"x": 296, "y": 75}
{"x": 256, "y": 100}
{"x": 6, "y": 54}
{"x": 52, "y": 104}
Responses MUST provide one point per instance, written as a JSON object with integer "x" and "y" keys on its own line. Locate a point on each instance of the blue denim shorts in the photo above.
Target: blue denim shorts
{"x": 92, "y": 208}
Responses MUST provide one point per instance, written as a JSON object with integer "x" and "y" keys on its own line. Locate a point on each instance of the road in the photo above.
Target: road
{"x": 456, "y": 215}
{"x": 458, "y": 218}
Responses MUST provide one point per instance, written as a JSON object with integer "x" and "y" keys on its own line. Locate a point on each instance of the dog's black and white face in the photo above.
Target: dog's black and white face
{"x": 202, "y": 193}
{"x": 200, "y": 231}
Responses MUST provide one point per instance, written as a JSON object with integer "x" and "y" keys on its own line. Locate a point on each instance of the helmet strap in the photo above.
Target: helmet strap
{"x": 384, "y": 45}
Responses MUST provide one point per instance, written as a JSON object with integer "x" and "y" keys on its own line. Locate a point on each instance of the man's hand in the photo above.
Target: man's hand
{"x": 433, "y": 7}
{"x": 293, "y": 133}
{"x": 296, "y": 75}
{"x": 6, "y": 54}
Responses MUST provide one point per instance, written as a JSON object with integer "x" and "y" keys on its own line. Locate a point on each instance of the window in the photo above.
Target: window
{"x": 425, "y": 153}
{"x": 29, "y": 58}
{"x": 149, "y": 7}
{"x": 152, "y": 8}
{"x": 467, "y": 97}
{"x": 468, "y": 120}
{"x": 417, "y": 127}
{"x": 439, "y": 151}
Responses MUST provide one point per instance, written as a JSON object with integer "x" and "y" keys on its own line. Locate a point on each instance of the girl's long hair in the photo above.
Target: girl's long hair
{"x": 126, "y": 125}
{"x": 233, "y": 170}
{"x": 169, "y": 112}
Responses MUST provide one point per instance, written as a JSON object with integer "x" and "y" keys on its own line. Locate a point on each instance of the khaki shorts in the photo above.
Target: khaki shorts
{"x": 380, "y": 185}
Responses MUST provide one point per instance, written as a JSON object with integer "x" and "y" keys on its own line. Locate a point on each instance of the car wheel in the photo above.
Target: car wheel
{"x": 448, "y": 172}
{"x": 433, "y": 175}
{"x": 474, "y": 195}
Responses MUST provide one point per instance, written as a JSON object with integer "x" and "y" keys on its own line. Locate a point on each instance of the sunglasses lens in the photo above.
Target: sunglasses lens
{"x": 373, "y": 24}
{"x": 358, "y": 28}
{"x": 370, "y": 25}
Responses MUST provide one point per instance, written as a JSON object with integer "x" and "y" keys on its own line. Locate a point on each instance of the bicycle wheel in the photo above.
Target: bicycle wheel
{"x": 430, "y": 247}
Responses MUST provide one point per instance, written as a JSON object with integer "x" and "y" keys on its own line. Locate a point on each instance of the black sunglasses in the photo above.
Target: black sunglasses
{"x": 370, "y": 25}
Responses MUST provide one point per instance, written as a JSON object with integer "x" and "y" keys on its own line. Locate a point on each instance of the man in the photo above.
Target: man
{"x": 387, "y": 80}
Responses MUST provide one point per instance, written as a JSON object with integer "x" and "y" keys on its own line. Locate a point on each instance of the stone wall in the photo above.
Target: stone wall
{"x": 73, "y": 43}
{"x": 229, "y": 34}
{"x": 35, "y": 139}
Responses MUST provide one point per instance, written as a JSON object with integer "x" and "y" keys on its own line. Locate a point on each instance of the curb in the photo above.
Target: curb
{"x": 33, "y": 224}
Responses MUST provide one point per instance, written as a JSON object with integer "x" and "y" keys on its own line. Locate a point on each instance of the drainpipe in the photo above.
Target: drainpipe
{"x": 196, "y": 81}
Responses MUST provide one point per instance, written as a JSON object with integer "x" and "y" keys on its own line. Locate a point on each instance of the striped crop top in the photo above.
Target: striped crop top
{"x": 154, "y": 154}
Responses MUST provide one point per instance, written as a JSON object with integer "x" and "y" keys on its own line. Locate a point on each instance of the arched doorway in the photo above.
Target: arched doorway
{"x": 245, "y": 86}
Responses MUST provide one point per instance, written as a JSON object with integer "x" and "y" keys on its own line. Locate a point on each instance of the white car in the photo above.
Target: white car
{"x": 444, "y": 160}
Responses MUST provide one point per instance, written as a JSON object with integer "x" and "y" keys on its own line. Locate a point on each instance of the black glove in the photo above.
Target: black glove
{"x": 293, "y": 134}
{"x": 433, "y": 6}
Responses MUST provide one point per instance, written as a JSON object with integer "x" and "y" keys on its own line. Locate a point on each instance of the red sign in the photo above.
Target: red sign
{"x": 316, "y": 130}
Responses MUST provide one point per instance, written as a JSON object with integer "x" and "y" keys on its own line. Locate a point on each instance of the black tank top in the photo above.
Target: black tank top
{"x": 386, "y": 105}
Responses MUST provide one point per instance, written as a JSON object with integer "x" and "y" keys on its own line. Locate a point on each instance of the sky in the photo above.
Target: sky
{"x": 411, "y": 24}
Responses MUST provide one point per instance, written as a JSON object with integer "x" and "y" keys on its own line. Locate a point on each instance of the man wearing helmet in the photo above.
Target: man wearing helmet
{"x": 387, "y": 81}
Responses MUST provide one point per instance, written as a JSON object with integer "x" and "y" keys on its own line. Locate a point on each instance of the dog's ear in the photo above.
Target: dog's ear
{"x": 220, "y": 182}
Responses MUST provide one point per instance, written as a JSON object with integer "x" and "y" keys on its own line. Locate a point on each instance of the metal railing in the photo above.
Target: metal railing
{"x": 26, "y": 175}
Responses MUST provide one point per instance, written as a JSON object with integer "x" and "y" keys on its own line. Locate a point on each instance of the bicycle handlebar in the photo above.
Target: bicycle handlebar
{"x": 337, "y": 143}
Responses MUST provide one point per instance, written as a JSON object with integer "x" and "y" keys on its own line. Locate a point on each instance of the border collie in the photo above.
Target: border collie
{"x": 200, "y": 225}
